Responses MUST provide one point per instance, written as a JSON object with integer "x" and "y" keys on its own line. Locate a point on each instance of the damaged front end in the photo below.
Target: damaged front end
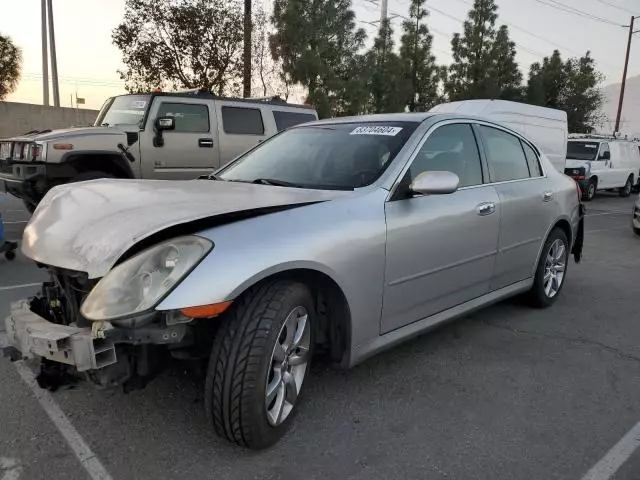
{"x": 50, "y": 326}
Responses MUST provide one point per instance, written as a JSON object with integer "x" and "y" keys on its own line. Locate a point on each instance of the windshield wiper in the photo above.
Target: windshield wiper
{"x": 104, "y": 125}
{"x": 275, "y": 183}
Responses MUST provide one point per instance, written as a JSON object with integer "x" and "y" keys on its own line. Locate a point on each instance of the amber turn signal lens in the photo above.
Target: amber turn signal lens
{"x": 205, "y": 311}
{"x": 63, "y": 146}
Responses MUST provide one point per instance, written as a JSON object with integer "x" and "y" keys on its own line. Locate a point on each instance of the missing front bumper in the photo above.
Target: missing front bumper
{"x": 34, "y": 337}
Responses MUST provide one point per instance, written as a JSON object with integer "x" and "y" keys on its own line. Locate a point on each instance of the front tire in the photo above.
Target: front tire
{"x": 590, "y": 192}
{"x": 551, "y": 271}
{"x": 626, "y": 190}
{"x": 260, "y": 358}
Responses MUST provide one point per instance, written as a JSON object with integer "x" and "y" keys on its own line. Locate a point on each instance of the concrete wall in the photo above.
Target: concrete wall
{"x": 17, "y": 118}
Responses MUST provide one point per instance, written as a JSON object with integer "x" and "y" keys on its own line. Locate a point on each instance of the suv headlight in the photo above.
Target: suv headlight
{"x": 139, "y": 283}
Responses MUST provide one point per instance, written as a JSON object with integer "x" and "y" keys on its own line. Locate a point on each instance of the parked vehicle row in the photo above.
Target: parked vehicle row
{"x": 172, "y": 136}
{"x": 339, "y": 237}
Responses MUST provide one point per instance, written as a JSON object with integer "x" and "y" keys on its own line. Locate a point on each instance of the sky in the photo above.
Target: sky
{"x": 88, "y": 61}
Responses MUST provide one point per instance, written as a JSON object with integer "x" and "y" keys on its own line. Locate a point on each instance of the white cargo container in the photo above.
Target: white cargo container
{"x": 546, "y": 127}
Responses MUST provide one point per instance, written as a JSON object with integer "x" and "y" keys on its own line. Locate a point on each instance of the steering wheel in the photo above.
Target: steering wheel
{"x": 363, "y": 176}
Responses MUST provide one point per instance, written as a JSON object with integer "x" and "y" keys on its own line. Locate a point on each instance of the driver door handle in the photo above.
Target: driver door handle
{"x": 205, "y": 142}
{"x": 486, "y": 208}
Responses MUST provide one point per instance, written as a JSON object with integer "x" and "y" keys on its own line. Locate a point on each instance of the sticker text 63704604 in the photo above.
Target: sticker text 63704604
{"x": 376, "y": 130}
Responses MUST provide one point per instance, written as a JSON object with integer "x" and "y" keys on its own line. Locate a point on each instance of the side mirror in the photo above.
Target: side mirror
{"x": 435, "y": 183}
{"x": 165, "y": 123}
{"x": 605, "y": 155}
{"x": 162, "y": 124}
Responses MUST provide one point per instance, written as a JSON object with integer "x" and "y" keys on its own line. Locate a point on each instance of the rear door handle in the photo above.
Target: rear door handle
{"x": 205, "y": 142}
{"x": 548, "y": 196}
{"x": 486, "y": 208}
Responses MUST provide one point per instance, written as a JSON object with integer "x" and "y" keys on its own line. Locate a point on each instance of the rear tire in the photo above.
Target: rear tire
{"x": 626, "y": 190}
{"x": 552, "y": 267}
{"x": 260, "y": 357}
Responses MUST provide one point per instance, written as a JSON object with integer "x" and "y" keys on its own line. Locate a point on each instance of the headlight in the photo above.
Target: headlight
{"x": 139, "y": 283}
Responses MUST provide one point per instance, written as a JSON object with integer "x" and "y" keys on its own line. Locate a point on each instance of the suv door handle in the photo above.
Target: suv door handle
{"x": 548, "y": 196}
{"x": 205, "y": 142}
{"x": 486, "y": 208}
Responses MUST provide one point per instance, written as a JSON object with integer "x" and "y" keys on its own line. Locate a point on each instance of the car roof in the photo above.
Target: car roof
{"x": 417, "y": 117}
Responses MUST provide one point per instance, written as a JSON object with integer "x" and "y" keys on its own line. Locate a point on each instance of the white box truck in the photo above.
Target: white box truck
{"x": 546, "y": 127}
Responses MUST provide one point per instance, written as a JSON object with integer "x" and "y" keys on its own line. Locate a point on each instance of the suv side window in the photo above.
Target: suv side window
{"x": 532, "y": 160}
{"x": 604, "y": 148}
{"x": 285, "y": 120}
{"x": 451, "y": 148}
{"x": 189, "y": 117}
{"x": 242, "y": 121}
{"x": 504, "y": 154}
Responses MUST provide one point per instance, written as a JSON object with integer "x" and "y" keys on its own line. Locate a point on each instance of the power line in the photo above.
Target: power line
{"x": 568, "y": 9}
{"x": 616, "y": 6}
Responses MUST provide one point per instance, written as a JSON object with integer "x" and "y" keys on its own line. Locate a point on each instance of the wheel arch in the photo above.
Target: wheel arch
{"x": 332, "y": 307}
{"x": 101, "y": 161}
{"x": 564, "y": 225}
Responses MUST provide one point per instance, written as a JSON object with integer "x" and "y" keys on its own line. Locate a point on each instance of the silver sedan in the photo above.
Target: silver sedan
{"x": 339, "y": 238}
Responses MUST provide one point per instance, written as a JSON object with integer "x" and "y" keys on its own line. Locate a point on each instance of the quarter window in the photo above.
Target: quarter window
{"x": 189, "y": 118}
{"x": 285, "y": 120}
{"x": 604, "y": 149}
{"x": 451, "y": 148}
{"x": 532, "y": 160}
{"x": 504, "y": 154}
{"x": 242, "y": 121}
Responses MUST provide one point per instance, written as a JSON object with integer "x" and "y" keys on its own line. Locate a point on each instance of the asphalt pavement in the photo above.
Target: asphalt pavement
{"x": 507, "y": 393}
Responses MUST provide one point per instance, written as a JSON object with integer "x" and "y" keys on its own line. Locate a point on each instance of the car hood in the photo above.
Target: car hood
{"x": 65, "y": 133}
{"x": 88, "y": 226}
{"x": 571, "y": 163}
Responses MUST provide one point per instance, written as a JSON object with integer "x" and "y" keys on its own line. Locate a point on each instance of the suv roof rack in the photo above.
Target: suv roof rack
{"x": 599, "y": 136}
{"x": 204, "y": 93}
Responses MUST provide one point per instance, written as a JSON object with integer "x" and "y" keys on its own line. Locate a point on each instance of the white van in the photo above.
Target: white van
{"x": 546, "y": 127}
{"x": 599, "y": 162}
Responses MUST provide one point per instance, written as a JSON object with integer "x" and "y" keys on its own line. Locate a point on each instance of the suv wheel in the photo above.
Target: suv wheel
{"x": 91, "y": 175}
{"x": 259, "y": 361}
{"x": 551, "y": 270}
{"x": 626, "y": 190}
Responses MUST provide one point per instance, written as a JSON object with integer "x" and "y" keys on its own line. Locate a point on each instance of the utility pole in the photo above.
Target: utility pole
{"x": 54, "y": 62}
{"x": 246, "y": 80}
{"x": 624, "y": 75}
{"x": 45, "y": 54}
{"x": 384, "y": 12}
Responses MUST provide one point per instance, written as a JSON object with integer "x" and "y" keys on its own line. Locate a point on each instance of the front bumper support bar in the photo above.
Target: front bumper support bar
{"x": 36, "y": 337}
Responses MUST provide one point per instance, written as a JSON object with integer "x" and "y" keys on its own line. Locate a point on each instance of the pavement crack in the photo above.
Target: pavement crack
{"x": 578, "y": 340}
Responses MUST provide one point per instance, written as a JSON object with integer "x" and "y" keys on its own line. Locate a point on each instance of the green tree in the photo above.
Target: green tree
{"x": 571, "y": 86}
{"x": 387, "y": 85}
{"x": 317, "y": 43}
{"x": 181, "y": 44}
{"x": 419, "y": 65}
{"x": 472, "y": 54}
{"x": 10, "y": 66}
{"x": 505, "y": 74}
{"x": 547, "y": 82}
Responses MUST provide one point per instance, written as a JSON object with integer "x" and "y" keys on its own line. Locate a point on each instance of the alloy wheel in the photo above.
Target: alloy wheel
{"x": 554, "y": 268}
{"x": 288, "y": 366}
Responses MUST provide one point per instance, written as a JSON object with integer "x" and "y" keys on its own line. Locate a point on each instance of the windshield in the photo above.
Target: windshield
{"x": 582, "y": 150}
{"x": 124, "y": 110}
{"x": 328, "y": 156}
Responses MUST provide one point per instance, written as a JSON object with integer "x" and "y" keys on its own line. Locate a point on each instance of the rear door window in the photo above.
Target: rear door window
{"x": 242, "y": 121}
{"x": 504, "y": 154}
{"x": 286, "y": 120}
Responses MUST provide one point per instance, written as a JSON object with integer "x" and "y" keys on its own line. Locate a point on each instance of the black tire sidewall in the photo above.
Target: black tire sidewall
{"x": 626, "y": 190}
{"x": 91, "y": 175}
{"x": 538, "y": 296}
{"x": 267, "y": 435}
{"x": 590, "y": 196}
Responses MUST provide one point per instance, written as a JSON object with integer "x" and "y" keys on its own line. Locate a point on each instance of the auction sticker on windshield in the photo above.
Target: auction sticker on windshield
{"x": 376, "y": 130}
